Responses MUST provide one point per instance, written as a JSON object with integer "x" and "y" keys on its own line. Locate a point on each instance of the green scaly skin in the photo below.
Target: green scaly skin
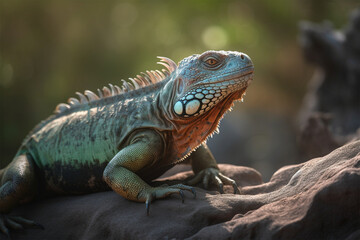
{"x": 124, "y": 139}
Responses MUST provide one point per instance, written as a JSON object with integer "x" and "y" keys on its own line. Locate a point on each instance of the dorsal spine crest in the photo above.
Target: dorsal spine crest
{"x": 140, "y": 81}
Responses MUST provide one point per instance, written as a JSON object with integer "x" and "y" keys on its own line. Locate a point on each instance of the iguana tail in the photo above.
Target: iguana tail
{"x": 2, "y": 171}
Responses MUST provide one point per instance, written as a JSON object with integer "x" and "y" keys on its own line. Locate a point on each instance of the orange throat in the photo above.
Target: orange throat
{"x": 191, "y": 134}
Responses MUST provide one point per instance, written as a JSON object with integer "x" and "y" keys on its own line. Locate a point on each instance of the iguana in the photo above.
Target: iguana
{"x": 123, "y": 138}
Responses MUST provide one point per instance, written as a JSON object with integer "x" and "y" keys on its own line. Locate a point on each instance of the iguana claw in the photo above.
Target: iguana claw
{"x": 182, "y": 196}
{"x": 213, "y": 175}
{"x": 164, "y": 191}
{"x": 193, "y": 192}
{"x": 147, "y": 204}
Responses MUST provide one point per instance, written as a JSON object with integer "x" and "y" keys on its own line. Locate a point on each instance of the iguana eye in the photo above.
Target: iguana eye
{"x": 212, "y": 61}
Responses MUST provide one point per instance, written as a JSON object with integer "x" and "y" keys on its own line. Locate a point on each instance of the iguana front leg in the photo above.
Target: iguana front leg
{"x": 144, "y": 149}
{"x": 206, "y": 170}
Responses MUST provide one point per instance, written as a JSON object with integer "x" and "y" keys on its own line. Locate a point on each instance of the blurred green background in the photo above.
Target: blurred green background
{"x": 50, "y": 49}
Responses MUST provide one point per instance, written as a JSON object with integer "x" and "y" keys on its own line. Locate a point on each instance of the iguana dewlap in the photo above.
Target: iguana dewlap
{"x": 123, "y": 138}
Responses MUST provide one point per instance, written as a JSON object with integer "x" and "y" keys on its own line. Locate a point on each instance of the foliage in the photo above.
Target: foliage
{"x": 50, "y": 49}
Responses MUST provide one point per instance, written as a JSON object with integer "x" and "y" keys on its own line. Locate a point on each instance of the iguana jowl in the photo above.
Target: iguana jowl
{"x": 124, "y": 138}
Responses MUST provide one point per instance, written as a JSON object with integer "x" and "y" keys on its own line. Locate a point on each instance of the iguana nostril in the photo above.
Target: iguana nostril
{"x": 242, "y": 56}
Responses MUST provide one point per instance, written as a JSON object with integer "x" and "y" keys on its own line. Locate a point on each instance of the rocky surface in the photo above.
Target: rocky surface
{"x": 330, "y": 115}
{"x": 319, "y": 199}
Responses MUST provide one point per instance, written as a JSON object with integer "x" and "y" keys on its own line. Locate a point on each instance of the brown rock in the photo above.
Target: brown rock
{"x": 330, "y": 115}
{"x": 319, "y": 199}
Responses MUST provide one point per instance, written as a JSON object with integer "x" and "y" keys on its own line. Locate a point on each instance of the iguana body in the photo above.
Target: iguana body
{"x": 123, "y": 139}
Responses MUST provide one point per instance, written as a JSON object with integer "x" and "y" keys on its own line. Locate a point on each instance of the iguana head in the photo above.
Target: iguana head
{"x": 198, "y": 93}
{"x": 213, "y": 78}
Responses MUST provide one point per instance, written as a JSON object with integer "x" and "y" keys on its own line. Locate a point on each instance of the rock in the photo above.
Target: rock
{"x": 316, "y": 139}
{"x": 319, "y": 199}
{"x": 334, "y": 89}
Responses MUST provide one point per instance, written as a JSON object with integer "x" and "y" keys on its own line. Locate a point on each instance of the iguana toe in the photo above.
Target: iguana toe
{"x": 26, "y": 222}
{"x": 15, "y": 223}
{"x": 3, "y": 228}
{"x": 185, "y": 187}
{"x": 164, "y": 191}
{"x": 213, "y": 175}
{"x": 228, "y": 181}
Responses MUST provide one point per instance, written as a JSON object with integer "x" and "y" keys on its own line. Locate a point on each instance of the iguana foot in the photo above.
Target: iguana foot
{"x": 15, "y": 223}
{"x": 164, "y": 191}
{"x": 213, "y": 175}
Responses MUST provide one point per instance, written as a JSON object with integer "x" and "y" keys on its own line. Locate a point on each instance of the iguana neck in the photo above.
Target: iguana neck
{"x": 189, "y": 134}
